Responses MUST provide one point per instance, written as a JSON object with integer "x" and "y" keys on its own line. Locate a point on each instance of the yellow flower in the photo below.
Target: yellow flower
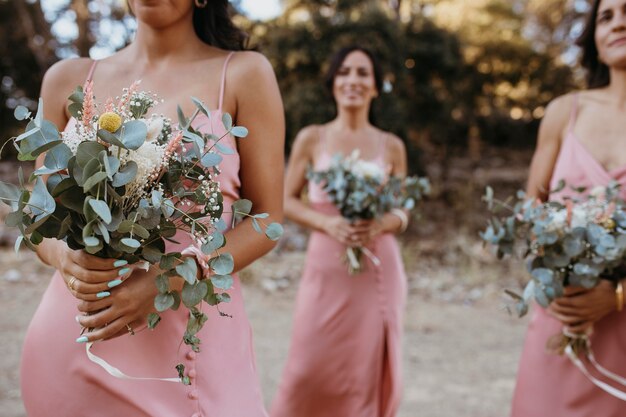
{"x": 608, "y": 224}
{"x": 110, "y": 121}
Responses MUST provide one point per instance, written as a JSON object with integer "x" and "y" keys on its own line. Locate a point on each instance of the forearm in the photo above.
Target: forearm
{"x": 392, "y": 223}
{"x": 48, "y": 252}
{"x": 299, "y": 212}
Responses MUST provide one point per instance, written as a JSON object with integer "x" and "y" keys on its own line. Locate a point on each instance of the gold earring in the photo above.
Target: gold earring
{"x": 201, "y": 4}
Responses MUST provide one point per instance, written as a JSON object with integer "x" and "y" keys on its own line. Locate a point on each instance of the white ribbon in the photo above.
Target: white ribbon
{"x": 617, "y": 393}
{"x": 116, "y": 372}
{"x": 370, "y": 255}
{"x": 354, "y": 262}
{"x": 110, "y": 368}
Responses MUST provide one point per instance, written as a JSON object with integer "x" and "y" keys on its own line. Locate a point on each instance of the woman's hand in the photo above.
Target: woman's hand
{"x": 365, "y": 231}
{"x": 88, "y": 277}
{"x": 128, "y": 305}
{"x": 343, "y": 231}
{"x": 579, "y": 308}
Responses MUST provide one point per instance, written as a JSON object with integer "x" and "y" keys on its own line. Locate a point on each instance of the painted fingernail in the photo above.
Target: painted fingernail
{"x": 114, "y": 283}
{"x": 123, "y": 271}
{"x": 120, "y": 262}
{"x": 82, "y": 339}
{"x": 77, "y": 319}
{"x": 103, "y": 294}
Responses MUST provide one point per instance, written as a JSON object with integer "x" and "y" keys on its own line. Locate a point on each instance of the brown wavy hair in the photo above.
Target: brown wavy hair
{"x": 598, "y": 74}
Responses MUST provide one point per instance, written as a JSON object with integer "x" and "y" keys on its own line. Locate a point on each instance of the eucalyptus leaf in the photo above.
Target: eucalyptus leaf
{"x": 21, "y": 113}
{"x": 192, "y": 294}
{"x": 239, "y": 131}
{"x": 163, "y": 301}
{"x": 274, "y": 231}
{"x": 102, "y": 209}
{"x": 133, "y": 134}
{"x": 130, "y": 242}
{"x": 227, "y": 120}
{"x": 222, "y": 264}
{"x": 188, "y": 270}
{"x": 126, "y": 174}
{"x": 223, "y": 282}
{"x": 41, "y": 202}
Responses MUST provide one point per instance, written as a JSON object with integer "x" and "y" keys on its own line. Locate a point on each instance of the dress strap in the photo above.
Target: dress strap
{"x": 574, "y": 112}
{"x": 382, "y": 147}
{"x": 91, "y": 70}
{"x": 223, "y": 83}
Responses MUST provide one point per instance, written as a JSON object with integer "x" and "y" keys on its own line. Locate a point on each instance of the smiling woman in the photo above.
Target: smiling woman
{"x": 581, "y": 141}
{"x": 350, "y": 323}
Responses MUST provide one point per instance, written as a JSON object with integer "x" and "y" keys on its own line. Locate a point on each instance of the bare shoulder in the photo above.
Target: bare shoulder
{"x": 250, "y": 67}
{"x": 559, "y": 110}
{"x": 395, "y": 146}
{"x": 65, "y": 75}
{"x": 307, "y": 139}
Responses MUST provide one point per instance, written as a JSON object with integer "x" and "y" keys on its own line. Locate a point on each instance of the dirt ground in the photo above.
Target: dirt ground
{"x": 460, "y": 347}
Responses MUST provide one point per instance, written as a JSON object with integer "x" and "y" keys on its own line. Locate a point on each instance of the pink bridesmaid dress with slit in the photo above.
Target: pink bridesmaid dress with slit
{"x": 548, "y": 384}
{"x": 345, "y": 353}
{"x": 58, "y": 380}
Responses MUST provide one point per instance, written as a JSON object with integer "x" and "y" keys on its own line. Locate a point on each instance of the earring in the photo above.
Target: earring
{"x": 201, "y": 4}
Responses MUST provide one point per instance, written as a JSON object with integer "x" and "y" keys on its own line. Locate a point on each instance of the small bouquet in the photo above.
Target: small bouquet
{"x": 575, "y": 243}
{"x": 360, "y": 191}
{"x": 119, "y": 184}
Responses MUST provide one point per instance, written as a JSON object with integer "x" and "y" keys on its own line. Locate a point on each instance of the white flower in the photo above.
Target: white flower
{"x": 155, "y": 126}
{"x": 558, "y": 221}
{"x": 598, "y": 192}
{"x": 365, "y": 169}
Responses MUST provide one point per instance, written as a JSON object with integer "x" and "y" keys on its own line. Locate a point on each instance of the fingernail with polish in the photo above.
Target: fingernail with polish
{"x": 123, "y": 271}
{"x": 77, "y": 319}
{"x": 103, "y": 294}
{"x": 82, "y": 339}
{"x": 120, "y": 262}
{"x": 114, "y": 283}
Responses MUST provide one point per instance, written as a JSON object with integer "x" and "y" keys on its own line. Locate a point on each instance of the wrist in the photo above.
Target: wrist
{"x": 402, "y": 221}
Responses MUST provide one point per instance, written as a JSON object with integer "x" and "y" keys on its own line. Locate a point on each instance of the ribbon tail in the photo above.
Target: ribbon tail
{"x": 371, "y": 256}
{"x": 602, "y": 385}
{"x": 354, "y": 262}
{"x": 116, "y": 372}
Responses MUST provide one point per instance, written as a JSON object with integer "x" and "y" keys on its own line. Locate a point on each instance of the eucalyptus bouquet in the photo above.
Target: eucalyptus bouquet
{"x": 361, "y": 191}
{"x": 577, "y": 243}
{"x": 119, "y": 184}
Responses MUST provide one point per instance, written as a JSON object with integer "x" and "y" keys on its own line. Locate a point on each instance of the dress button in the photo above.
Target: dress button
{"x": 191, "y": 355}
{"x": 191, "y": 373}
{"x": 193, "y": 395}
{"x": 196, "y": 415}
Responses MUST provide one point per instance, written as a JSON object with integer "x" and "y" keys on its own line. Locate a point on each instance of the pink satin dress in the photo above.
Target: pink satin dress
{"x": 548, "y": 384}
{"x": 345, "y": 353}
{"x": 58, "y": 380}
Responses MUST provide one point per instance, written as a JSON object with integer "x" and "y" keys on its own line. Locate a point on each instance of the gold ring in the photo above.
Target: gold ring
{"x": 70, "y": 283}
{"x": 130, "y": 330}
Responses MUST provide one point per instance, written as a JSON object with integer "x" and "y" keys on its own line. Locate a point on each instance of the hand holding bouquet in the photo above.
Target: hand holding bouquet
{"x": 360, "y": 191}
{"x": 119, "y": 184}
{"x": 576, "y": 243}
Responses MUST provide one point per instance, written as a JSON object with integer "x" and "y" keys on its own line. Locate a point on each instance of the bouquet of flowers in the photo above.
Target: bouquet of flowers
{"x": 360, "y": 191}
{"x": 576, "y": 243}
{"x": 119, "y": 184}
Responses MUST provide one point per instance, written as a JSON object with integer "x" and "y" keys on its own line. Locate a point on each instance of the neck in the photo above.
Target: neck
{"x": 617, "y": 87}
{"x": 177, "y": 42}
{"x": 353, "y": 119}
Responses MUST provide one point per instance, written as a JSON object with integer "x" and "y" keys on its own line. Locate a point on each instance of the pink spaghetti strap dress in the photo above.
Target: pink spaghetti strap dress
{"x": 58, "y": 380}
{"x": 548, "y": 384}
{"x": 345, "y": 353}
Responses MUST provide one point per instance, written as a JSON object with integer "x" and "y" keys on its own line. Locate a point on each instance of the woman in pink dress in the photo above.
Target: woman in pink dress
{"x": 582, "y": 141}
{"x": 345, "y": 356}
{"x": 182, "y": 48}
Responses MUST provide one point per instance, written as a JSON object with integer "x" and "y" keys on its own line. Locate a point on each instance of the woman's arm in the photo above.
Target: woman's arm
{"x": 297, "y": 210}
{"x": 259, "y": 108}
{"x": 549, "y": 140}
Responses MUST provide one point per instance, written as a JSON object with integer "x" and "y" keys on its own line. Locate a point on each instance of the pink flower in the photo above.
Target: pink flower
{"x": 89, "y": 107}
